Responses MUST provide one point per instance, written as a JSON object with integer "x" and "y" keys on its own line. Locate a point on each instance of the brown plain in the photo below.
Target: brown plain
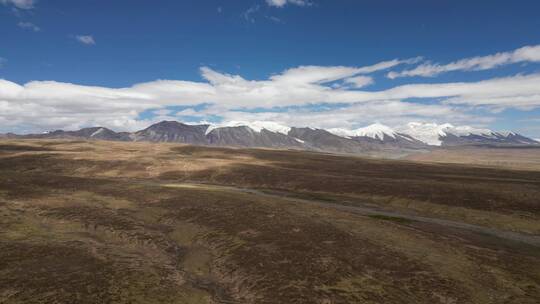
{"x": 522, "y": 158}
{"x": 111, "y": 222}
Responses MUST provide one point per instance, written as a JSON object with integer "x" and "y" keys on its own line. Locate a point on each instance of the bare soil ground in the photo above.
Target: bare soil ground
{"x": 107, "y": 222}
{"x": 520, "y": 158}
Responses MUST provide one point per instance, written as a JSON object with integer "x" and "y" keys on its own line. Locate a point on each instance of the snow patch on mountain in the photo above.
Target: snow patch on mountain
{"x": 375, "y": 131}
{"x": 342, "y": 132}
{"x": 99, "y": 131}
{"x": 431, "y": 133}
{"x": 506, "y": 133}
{"x": 256, "y": 126}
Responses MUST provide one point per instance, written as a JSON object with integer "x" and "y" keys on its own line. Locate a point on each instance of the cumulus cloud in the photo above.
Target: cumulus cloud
{"x": 391, "y": 112}
{"x": 521, "y": 91}
{"x": 85, "y": 39}
{"x": 29, "y": 26}
{"x": 524, "y": 54}
{"x": 306, "y": 96}
{"x": 282, "y": 3}
{"x": 21, "y": 4}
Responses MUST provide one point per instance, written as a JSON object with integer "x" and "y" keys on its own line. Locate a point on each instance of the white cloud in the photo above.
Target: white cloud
{"x": 162, "y": 112}
{"x": 384, "y": 65}
{"x": 85, "y": 39}
{"x": 314, "y": 74}
{"x": 42, "y": 105}
{"x": 359, "y": 81}
{"x": 514, "y": 91}
{"x": 282, "y": 3}
{"x": 391, "y": 112}
{"x": 29, "y": 26}
{"x": 249, "y": 13}
{"x": 274, "y": 19}
{"x": 524, "y": 54}
{"x": 22, "y": 4}
{"x": 323, "y": 74}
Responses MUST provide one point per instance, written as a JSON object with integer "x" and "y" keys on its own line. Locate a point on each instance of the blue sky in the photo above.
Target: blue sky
{"x": 125, "y": 64}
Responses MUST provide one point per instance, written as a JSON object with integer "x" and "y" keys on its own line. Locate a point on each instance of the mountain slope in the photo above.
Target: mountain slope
{"x": 244, "y": 136}
{"x": 495, "y": 138}
{"x": 86, "y": 133}
{"x": 173, "y": 131}
{"x": 322, "y": 140}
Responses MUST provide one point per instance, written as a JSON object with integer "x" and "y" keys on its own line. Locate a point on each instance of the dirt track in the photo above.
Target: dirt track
{"x": 363, "y": 209}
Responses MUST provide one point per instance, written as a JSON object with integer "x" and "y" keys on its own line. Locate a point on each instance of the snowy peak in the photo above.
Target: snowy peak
{"x": 375, "y": 131}
{"x": 448, "y": 135}
{"x": 342, "y": 132}
{"x": 379, "y": 135}
{"x": 466, "y": 131}
{"x": 433, "y": 134}
{"x": 256, "y": 126}
{"x": 430, "y": 133}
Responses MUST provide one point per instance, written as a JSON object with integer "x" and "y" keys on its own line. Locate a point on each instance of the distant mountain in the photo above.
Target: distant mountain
{"x": 173, "y": 131}
{"x": 244, "y": 136}
{"x": 376, "y": 139}
{"x": 257, "y": 126}
{"x": 8, "y": 135}
{"x": 100, "y": 133}
{"x": 375, "y": 131}
{"x": 449, "y": 135}
{"x": 493, "y": 138}
{"x": 378, "y": 134}
{"x": 87, "y": 133}
{"x": 322, "y": 140}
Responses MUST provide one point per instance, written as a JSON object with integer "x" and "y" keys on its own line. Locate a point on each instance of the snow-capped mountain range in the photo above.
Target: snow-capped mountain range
{"x": 448, "y": 134}
{"x": 434, "y": 134}
{"x": 373, "y": 139}
{"x": 431, "y": 134}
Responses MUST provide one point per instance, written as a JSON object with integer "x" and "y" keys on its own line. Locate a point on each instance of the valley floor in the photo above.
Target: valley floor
{"x": 113, "y": 222}
{"x": 519, "y": 158}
